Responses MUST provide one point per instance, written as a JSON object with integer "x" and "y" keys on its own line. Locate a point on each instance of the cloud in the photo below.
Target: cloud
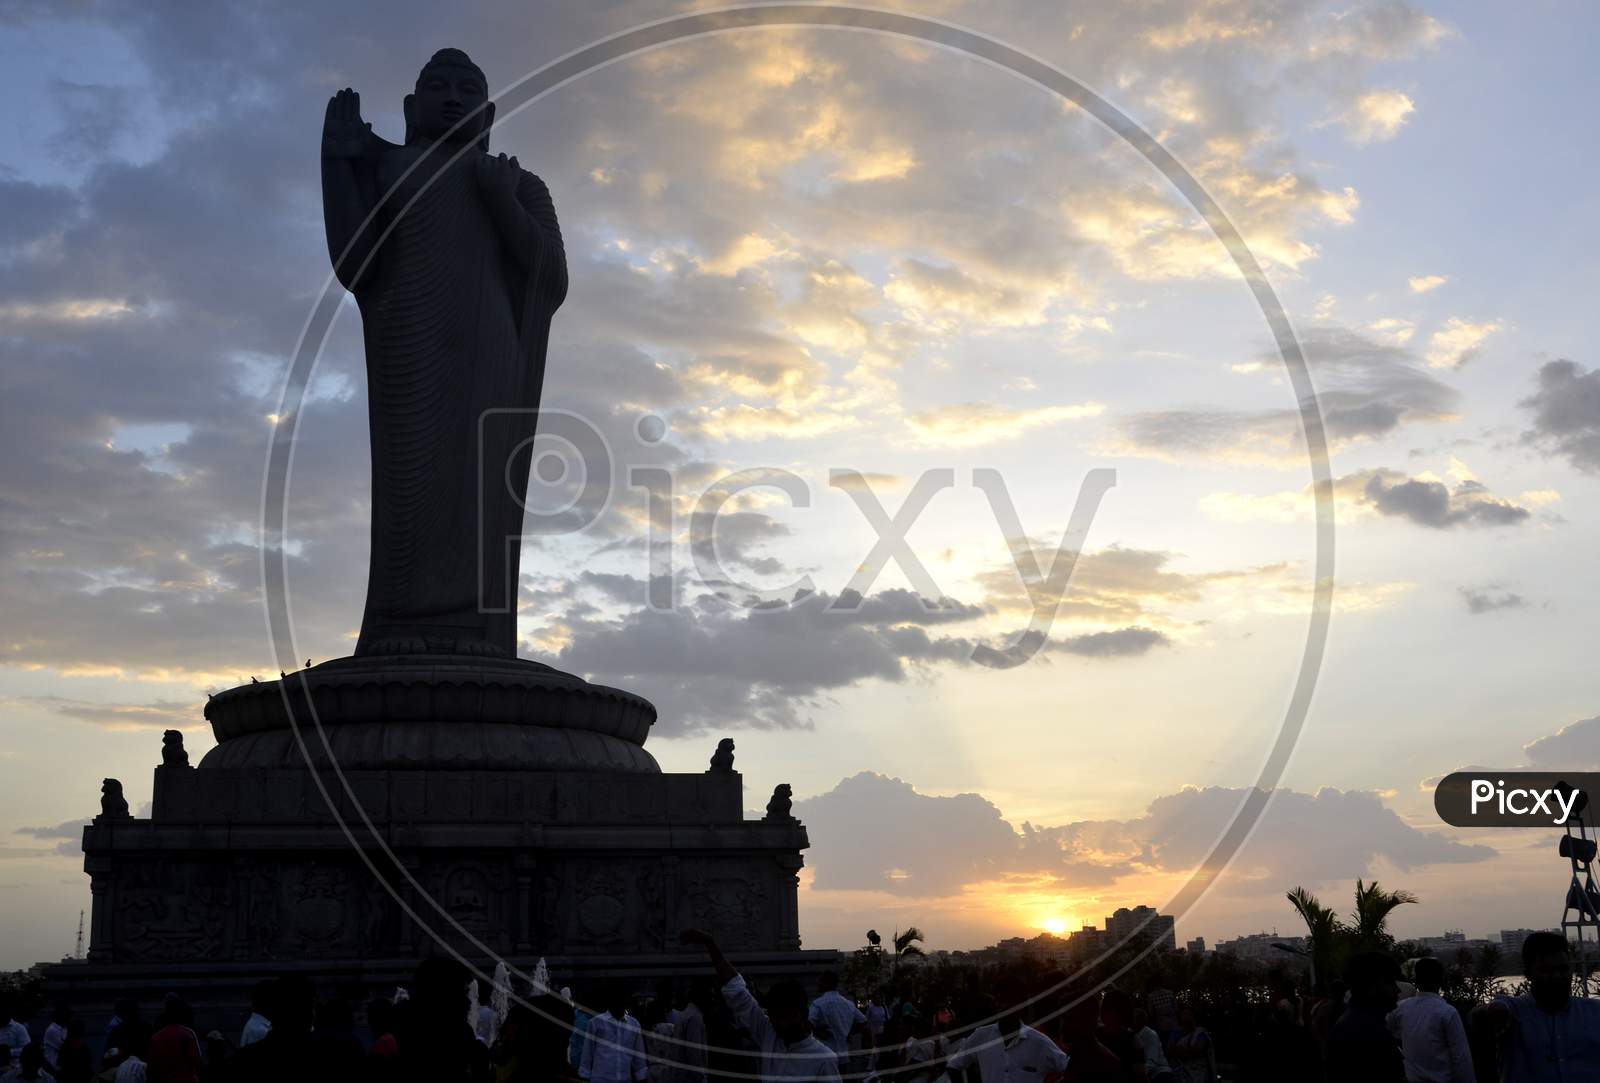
{"x": 94, "y": 120}
{"x": 1422, "y": 499}
{"x": 1426, "y": 283}
{"x": 1377, "y": 115}
{"x": 1332, "y": 834}
{"x": 1117, "y": 585}
{"x": 1260, "y": 437}
{"x": 1574, "y": 747}
{"x": 35, "y": 212}
{"x": 976, "y": 423}
{"x": 931, "y": 846}
{"x": 1119, "y": 643}
{"x": 1124, "y": 600}
{"x": 70, "y": 835}
{"x": 712, "y": 663}
{"x": 1490, "y": 599}
{"x": 733, "y": 537}
{"x": 1458, "y": 342}
{"x": 1375, "y": 32}
{"x": 899, "y": 606}
{"x": 919, "y": 844}
{"x": 945, "y": 296}
{"x": 159, "y": 714}
{"x": 1366, "y": 389}
{"x": 1392, "y": 330}
{"x": 1566, "y": 413}
{"x": 867, "y": 482}
{"x": 1279, "y": 507}
{"x": 1149, "y": 238}
{"x": 748, "y": 250}
{"x": 1432, "y": 503}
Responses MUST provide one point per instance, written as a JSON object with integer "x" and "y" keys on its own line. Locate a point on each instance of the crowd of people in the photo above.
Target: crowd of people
{"x": 1368, "y": 1027}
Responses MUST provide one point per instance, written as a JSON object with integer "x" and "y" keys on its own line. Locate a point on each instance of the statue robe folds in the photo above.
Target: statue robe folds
{"x": 456, "y": 328}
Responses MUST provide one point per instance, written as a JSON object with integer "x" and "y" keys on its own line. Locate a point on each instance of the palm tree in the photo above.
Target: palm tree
{"x": 906, "y": 944}
{"x": 1370, "y": 919}
{"x": 1322, "y": 927}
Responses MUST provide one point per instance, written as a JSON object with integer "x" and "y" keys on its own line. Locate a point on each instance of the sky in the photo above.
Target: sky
{"x": 807, "y": 251}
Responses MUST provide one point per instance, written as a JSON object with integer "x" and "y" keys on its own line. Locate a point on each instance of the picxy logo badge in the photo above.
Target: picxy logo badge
{"x": 1514, "y": 798}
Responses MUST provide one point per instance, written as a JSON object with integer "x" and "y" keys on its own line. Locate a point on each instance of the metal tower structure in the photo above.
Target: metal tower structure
{"x": 1580, "y": 919}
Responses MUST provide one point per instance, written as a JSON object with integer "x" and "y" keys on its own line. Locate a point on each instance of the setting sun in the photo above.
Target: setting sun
{"x": 1055, "y": 926}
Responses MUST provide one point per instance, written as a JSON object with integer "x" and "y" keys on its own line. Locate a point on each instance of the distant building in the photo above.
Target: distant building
{"x": 1087, "y": 942}
{"x": 1258, "y": 949}
{"x": 1012, "y": 947}
{"x": 1444, "y": 946}
{"x": 1453, "y": 944}
{"x": 1143, "y": 923}
{"x": 1511, "y": 940}
{"x": 1197, "y": 946}
{"x": 1049, "y": 948}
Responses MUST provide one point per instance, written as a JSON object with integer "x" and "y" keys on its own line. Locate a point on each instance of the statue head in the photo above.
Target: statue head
{"x": 450, "y": 87}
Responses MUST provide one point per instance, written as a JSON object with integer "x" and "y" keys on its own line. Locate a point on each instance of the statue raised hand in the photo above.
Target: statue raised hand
{"x": 344, "y": 133}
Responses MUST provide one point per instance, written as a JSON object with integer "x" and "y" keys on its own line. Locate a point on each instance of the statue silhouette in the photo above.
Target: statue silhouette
{"x": 456, "y": 261}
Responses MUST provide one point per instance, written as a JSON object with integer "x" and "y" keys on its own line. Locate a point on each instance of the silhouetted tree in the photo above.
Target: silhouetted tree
{"x": 1323, "y": 929}
{"x": 1370, "y": 919}
{"x": 905, "y": 945}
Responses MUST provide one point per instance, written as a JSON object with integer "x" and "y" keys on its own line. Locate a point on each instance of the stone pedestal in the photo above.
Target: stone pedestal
{"x": 492, "y": 809}
{"x": 431, "y": 712}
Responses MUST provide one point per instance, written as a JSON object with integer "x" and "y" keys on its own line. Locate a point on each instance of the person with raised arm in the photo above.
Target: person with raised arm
{"x": 782, "y": 1031}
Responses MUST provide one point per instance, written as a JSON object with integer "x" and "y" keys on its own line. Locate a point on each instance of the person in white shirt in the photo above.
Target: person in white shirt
{"x": 876, "y": 1018}
{"x": 782, "y": 1032}
{"x": 1156, "y": 1068}
{"x": 836, "y": 1015}
{"x": 12, "y": 1033}
{"x": 613, "y": 1048}
{"x": 55, "y": 1036}
{"x": 921, "y": 1056}
{"x": 131, "y": 1070}
{"x": 484, "y": 1019}
{"x": 1432, "y": 1038}
{"x": 1009, "y": 1050}
{"x": 259, "y": 1025}
{"x": 690, "y": 1050}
